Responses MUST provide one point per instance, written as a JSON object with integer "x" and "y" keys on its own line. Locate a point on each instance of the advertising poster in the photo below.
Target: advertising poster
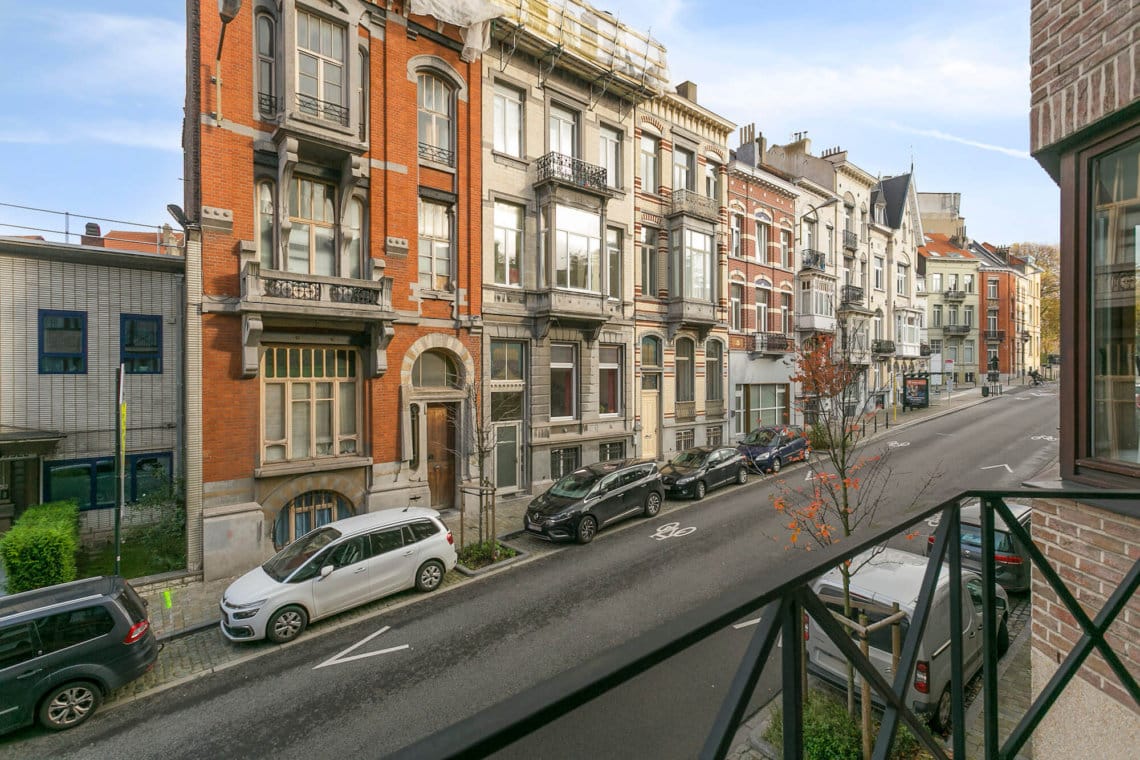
{"x": 917, "y": 392}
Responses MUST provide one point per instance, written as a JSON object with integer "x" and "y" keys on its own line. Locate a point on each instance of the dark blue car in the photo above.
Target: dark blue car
{"x": 770, "y": 448}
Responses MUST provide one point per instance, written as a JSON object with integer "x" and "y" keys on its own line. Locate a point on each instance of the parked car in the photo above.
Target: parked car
{"x": 896, "y": 576}
{"x": 337, "y": 566}
{"x": 694, "y": 472}
{"x": 63, "y": 648}
{"x": 590, "y": 498}
{"x": 1011, "y": 558}
{"x": 770, "y": 448}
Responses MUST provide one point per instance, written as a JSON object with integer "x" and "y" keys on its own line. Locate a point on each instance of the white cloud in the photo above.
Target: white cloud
{"x": 155, "y": 135}
{"x": 938, "y": 134}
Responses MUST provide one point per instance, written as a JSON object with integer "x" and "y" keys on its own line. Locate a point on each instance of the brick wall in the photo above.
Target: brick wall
{"x": 1084, "y": 58}
{"x": 1091, "y": 550}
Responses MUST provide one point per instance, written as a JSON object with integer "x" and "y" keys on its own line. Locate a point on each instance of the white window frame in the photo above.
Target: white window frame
{"x": 345, "y": 391}
{"x": 763, "y": 301}
{"x": 507, "y": 107}
{"x": 609, "y": 154}
{"x": 879, "y": 273}
{"x": 684, "y": 164}
{"x": 900, "y": 279}
{"x": 508, "y": 239}
{"x": 610, "y": 359}
{"x": 326, "y": 61}
{"x": 736, "y": 306}
{"x": 563, "y": 364}
{"x": 565, "y": 237}
{"x": 435, "y": 107}
{"x": 763, "y": 233}
{"x": 786, "y": 249}
{"x": 308, "y": 221}
{"x": 435, "y": 232}
{"x": 693, "y": 262}
{"x": 562, "y": 131}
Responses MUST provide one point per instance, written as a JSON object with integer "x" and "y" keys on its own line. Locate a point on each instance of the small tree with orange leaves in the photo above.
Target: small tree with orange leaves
{"x": 846, "y": 484}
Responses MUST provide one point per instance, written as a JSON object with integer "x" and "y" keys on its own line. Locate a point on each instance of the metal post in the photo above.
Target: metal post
{"x": 120, "y": 461}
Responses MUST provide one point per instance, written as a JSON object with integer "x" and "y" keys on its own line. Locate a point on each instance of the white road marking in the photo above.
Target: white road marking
{"x": 945, "y": 435}
{"x": 339, "y": 658}
{"x": 897, "y": 444}
{"x": 754, "y": 621}
{"x": 995, "y": 466}
{"x": 672, "y": 530}
{"x": 1044, "y": 438}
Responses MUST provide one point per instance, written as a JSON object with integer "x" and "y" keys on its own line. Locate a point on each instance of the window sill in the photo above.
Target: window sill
{"x": 438, "y": 165}
{"x": 310, "y": 465}
{"x": 437, "y": 295}
{"x": 506, "y": 159}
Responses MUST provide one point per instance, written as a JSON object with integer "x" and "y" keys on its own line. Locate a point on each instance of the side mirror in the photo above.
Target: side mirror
{"x": 326, "y": 571}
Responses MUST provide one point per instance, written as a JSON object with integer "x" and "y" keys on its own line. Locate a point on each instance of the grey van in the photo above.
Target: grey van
{"x": 896, "y": 576}
{"x": 63, "y": 648}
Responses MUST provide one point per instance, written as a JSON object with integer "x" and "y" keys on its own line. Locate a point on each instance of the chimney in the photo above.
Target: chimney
{"x": 92, "y": 235}
{"x": 688, "y": 91}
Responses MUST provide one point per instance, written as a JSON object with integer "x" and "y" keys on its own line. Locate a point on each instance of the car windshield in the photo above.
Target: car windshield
{"x": 760, "y": 437}
{"x": 972, "y": 536}
{"x": 575, "y": 485}
{"x": 284, "y": 562}
{"x": 690, "y": 458}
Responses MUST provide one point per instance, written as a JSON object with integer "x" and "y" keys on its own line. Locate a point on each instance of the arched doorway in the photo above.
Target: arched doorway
{"x": 438, "y": 384}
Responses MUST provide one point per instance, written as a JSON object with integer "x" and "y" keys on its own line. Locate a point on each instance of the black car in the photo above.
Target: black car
{"x": 770, "y": 448}
{"x": 575, "y": 507}
{"x": 63, "y": 648}
{"x": 694, "y": 472}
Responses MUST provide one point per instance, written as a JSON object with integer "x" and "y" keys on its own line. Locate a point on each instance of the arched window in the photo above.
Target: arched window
{"x": 685, "y": 369}
{"x": 266, "y": 66}
{"x": 435, "y": 369}
{"x": 434, "y": 101}
{"x": 306, "y": 512}
{"x": 650, "y": 363}
{"x": 265, "y": 206}
{"x": 714, "y": 367}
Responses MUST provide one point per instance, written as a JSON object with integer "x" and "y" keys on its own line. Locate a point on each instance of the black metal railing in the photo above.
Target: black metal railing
{"x": 956, "y": 329}
{"x": 924, "y": 349}
{"x": 995, "y": 335}
{"x": 770, "y": 343}
{"x": 814, "y": 259}
{"x": 882, "y": 346}
{"x": 954, "y": 295}
{"x": 572, "y": 171}
{"x": 850, "y": 240}
{"x": 323, "y": 109}
{"x": 851, "y": 295}
{"x": 782, "y": 614}
{"x": 436, "y": 154}
{"x": 267, "y": 105}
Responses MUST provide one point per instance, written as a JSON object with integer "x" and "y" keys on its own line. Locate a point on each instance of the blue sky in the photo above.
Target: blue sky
{"x": 93, "y": 92}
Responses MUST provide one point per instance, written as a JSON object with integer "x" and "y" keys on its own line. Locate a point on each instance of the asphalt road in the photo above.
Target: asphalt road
{"x": 468, "y": 648}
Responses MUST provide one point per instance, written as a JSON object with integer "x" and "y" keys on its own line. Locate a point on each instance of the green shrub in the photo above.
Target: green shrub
{"x": 162, "y": 531}
{"x": 820, "y": 440}
{"x": 831, "y": 734}
{"x": 474, "y": 556}
{"x": 39, "y": 550}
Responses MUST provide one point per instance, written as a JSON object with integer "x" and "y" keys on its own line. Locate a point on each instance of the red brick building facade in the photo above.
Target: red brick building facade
{"x": 333, "y": 167}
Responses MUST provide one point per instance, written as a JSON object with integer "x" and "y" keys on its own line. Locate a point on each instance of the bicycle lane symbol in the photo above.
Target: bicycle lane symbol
{"x": 672, "y": 530}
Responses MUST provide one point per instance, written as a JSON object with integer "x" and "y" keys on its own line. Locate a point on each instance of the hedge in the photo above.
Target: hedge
{"x": 39, "y": 550}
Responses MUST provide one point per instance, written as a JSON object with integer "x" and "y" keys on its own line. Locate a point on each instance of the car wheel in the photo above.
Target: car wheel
{"x": 699, "y": 490}
{"x": 430, "y": 575}
{"x": 776, "y": 465}
{"x": 587, "y": 529}
{"x": 941, "y": 717}
{"x": 69, "y": 705}
{"x": 742, "y": 476}
{"x": 1003, "y": 639}
{"x": 286, "y": 624}
{"x": 652, "y": 504}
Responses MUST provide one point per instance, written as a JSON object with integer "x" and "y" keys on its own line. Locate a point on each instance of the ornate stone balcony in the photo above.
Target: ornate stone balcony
{"x": 692, "y": 314}
{"x": 694, "y": 204}
{"x": 584, "y": 310}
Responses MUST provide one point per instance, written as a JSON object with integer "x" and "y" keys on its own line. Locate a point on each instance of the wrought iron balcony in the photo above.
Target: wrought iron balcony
{"x": 714, "y": 408}
{"x": 694, "y": 204}
{"x": 267, "y": 105}
{"x": 436, "y": 154}
{"x": 882, "y": 347}
{"x": 954, "y": 295}
{"x": 814, "y": 259}
{"x": 782, "y": 608}
{"x": 323, "y": 109}
{"x": 685, "y": 410}
{"x": 770, "y": 343}
{"x": 850, "y": 240}
{"x": 557, "y": 167}
{"x": 924, "y": 349}
{"x": 851, "y": 295}
{"x": 995, "y": 335}
{"x": 956, "y": 329}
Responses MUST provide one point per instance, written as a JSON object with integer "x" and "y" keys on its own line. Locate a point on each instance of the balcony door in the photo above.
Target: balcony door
{"x": 508, "y": 470}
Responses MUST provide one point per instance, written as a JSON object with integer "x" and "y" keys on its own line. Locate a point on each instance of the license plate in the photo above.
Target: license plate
{"x": 533, "y": 526}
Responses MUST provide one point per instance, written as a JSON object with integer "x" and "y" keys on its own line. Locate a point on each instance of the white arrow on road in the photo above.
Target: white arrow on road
{"x": 995, "y": 466}
{"x": 342, "y": 657}
{"x": 754, "y": 621}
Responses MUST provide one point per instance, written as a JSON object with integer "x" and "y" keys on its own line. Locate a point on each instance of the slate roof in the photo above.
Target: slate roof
{"x": 893, "y": 191}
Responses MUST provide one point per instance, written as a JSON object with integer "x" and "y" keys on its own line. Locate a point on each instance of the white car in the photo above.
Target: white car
{"x": 338, "y": 566}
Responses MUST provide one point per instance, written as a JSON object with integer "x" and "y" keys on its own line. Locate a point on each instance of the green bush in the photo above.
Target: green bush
{"x": 474, "y": 556}
{"x": 39, "y": 550}
{"x": 831, "y": 734}
{"x": 820, "y": 440}
{"x": 162, "y": 532}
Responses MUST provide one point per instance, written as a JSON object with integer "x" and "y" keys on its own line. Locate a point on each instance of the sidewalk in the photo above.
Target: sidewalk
{"x": 184, "y": 610}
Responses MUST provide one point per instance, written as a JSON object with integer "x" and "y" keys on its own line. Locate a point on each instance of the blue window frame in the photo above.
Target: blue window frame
{"x": 92, "y": 482}
{"x": 140, "y": 344}
{"x": 63, "y": 342}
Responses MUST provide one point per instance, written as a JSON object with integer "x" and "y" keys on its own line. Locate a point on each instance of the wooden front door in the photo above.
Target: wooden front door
{"x": 650, "y": 424}
{"x": 441, "y": 454}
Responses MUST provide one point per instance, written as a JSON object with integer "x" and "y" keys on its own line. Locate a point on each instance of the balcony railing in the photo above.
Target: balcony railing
{"x": 558, "y": 167}
{"x": 851, "y": 295}
{"x": 694, "y": 204}
{"x": 995, "y": 335}
{"x": 783, "y": 607}
{"x": 770, "y": 343}
{"x": 850, "y": 240}
{"x": 882, "y": 347}
{"x": 714, "y": 408}
{"x": 924, "y": 349}
{"x": 956, "y": 329}
{"x": 267, "y": 105}
{"x": 954, "y": 295}
{"x": 814, "y": 260}
{"x": 323, "y": 109}
{"x": 334, "y": 293}
{"x": 436, "y": 154}
{"x": 686, "y": 410}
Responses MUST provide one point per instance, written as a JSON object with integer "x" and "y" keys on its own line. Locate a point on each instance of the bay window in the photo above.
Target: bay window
{"x": 577, "y": 249}
{"x": 692, "y": 264}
